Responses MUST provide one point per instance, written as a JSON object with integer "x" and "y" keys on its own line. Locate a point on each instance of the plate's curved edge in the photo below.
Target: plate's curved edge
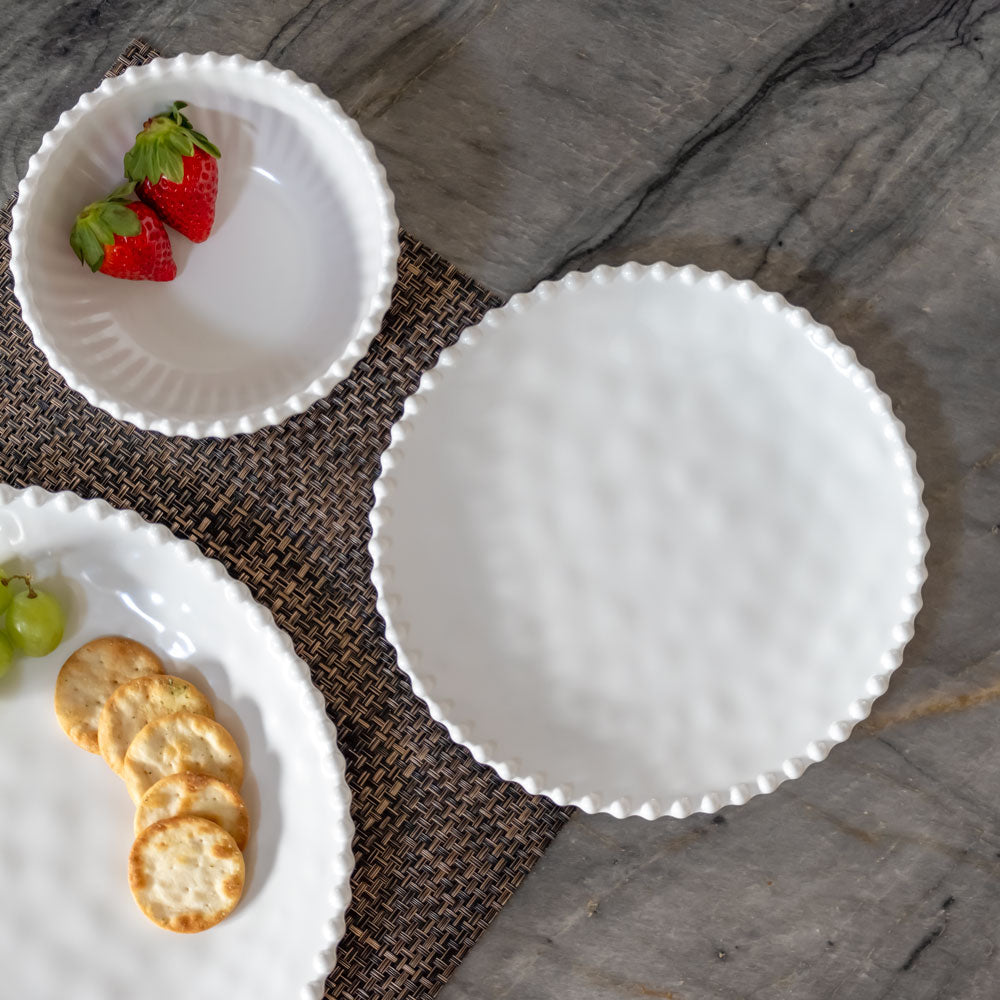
{"x": 593, "y": 801}
{"x": 368, "y": 326}
{"x": 259, "y": 620}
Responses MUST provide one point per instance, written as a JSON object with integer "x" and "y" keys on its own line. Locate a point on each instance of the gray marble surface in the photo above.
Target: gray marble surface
{"x": 842, "y": 153}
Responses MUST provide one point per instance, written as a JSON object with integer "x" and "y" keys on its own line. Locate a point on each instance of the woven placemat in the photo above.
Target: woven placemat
{"x": 441, "y": 843}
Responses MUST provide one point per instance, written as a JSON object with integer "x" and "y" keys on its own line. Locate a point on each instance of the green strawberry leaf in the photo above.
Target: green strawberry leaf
{"x": 179, "y": 142}
{"x": 101, "y": 229}
{"x": 119, "y": 218}
{"x": 87, "y": 247}
{"x": 202, "y": 142}
{"x": 125, "y": 192}
{"x": 98, "y": 224}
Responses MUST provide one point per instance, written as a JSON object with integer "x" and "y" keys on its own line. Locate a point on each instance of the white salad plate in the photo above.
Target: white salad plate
{"x": 263, "y": 318}
{"x": 68, "y": 924}
{"x": 648, "y": 540}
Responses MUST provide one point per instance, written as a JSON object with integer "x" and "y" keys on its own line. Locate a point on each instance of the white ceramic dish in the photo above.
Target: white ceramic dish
{"x": 68, "y": 924}
{"x": 648, "y": 540}
{"x": 266, "y": 316}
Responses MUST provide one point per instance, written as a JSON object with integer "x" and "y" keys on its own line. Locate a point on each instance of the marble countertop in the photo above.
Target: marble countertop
{"x": 841, "y": 153}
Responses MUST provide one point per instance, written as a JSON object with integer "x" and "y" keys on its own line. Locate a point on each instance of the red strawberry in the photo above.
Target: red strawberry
{"x": 177, "y": 171}
{"x": 124, "y": 238}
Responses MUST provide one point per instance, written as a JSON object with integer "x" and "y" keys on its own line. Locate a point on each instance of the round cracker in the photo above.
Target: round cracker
{"x": 181, "y": 742}
{"x": 186, "y": 873}
{"x": 89, "y": 677}
{"x": 139, "y": 701}
{"x": 188, "y": 794}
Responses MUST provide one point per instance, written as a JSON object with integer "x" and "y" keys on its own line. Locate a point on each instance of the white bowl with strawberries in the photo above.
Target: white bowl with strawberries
{"x": 253, "y": 227}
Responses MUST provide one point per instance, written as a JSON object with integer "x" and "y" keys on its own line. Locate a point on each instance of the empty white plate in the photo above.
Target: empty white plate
{"x": 648, "y": 540}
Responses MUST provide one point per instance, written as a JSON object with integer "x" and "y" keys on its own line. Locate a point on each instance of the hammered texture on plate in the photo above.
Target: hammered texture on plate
{"x": 440, "y": 843}
{"x": 649, "y": 540}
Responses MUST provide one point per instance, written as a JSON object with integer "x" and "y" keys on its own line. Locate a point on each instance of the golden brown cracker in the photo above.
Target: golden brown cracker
{"x": 186, "y": 873}
{"x": 89, "y": 677}
{"x": 181, "y": 742}
{"x": 186, "y": 794}
{"x": 137, "y": 702}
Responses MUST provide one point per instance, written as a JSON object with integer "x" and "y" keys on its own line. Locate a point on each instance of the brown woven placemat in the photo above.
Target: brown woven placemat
{"x": 441, "y": 843}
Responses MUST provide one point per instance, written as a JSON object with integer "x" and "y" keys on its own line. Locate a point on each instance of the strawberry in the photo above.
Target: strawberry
{"x": 124, "y": 238}
{"x": 177, "y": 172}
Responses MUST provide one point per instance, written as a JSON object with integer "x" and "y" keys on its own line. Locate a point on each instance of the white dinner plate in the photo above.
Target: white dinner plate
{"x": 68, "y": 924}
{"x": 648, "y": 540}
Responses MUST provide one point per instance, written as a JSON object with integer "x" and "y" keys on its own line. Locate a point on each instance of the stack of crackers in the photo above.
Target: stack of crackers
{"x": 183, "y": 770}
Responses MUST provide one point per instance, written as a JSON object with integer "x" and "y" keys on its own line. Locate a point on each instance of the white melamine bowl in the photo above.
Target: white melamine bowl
{"x": 266, "y": 316}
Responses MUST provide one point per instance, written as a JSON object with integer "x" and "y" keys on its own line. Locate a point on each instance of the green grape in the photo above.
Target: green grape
{"x": 6, "y": 593}
{"x": 35, "y": 622}
{"x": 6, "y": 654}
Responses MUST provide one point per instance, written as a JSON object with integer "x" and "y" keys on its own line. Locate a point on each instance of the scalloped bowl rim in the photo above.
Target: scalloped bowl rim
{"x": 258, "y": 620}
{"x": 319, "y": 386}
{"x": 599, "y": 800}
